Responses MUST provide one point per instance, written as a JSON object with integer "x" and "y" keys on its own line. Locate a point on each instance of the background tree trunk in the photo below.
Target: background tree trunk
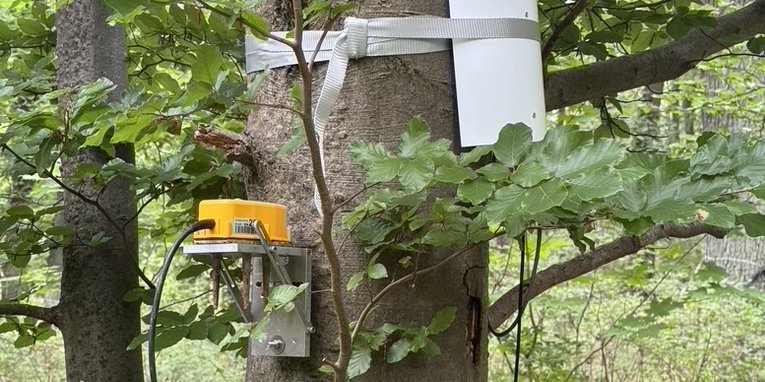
{"x": 96, "y": 323}
{"x": 379, "y": 97}
{"x": 740, "y": 257}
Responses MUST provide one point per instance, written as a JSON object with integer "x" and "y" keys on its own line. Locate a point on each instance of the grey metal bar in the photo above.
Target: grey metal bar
{"x": 234, "y": 290}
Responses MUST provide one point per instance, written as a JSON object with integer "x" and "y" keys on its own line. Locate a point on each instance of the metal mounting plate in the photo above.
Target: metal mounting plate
{"x": 288, "y": 328}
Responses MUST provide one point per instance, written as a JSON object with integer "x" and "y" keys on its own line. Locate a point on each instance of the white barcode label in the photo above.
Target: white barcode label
{"x": 243, "y": 227}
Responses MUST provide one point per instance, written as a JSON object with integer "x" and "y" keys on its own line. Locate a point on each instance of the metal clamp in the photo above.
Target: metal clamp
{"x": 281, "y": 272}
{"x": 288, "y": 332}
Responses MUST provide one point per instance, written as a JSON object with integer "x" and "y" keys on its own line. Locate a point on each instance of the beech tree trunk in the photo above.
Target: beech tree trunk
{"x": 96, "y": 323}
{"x": 379, "y": 97}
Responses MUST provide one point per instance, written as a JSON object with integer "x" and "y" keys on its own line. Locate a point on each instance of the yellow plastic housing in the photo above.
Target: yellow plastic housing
{"x": 234, "y": 220}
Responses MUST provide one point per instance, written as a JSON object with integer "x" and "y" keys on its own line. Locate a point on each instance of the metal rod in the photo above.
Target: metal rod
{"x": 281, "y": 272}
{"x": 234, "y": 291}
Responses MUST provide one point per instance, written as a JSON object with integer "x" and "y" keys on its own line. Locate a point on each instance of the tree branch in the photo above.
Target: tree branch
{"x": 507, "y": 305}
{"x": 15, "y": 309}
{"x": 572, "y": 86}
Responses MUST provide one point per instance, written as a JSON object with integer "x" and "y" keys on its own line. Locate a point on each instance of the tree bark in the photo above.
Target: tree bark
{"x": 379, "y": 97}
{"x": 96, "y": 323}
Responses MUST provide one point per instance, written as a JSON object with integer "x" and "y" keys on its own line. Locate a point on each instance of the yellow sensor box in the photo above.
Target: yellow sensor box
{"x": 235, "y": 220}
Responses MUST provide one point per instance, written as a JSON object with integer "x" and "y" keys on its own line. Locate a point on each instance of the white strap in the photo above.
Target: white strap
{"x": 376, "y": 37}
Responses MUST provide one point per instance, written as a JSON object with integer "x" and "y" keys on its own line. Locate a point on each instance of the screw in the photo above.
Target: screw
{"x": 276, "y": 344}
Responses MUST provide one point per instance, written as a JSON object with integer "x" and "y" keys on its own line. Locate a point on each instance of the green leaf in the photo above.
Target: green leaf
{"x": 754, "y": 224}
{"x": 672, "y": 210}
{"x": 678, "y": 27}
{"x": 365, "y": 153}
{"x": 193, "y": 270}
{"x": 530, "y": 174}
{"x": 719, "y": 215}
{"x": 504, "y": 204}
{"x": 398, "y": 350}
{"x": 440, "y": 236}
{"x": 258, "y": 333}
{"x": 255, "y": 22}
{"x": 361, "y": 360}
{"x": 442, "y": 320}
{"x": 217, "y": 332}
{"x": 24, "y": 340}
{"x": 415, "y": 174}
{"x": 603, "y": 152}
{"x": 296, "y": 140}
{"x": 430, "y": 349}
{"x": 354, "y": 281}
{"x": 170, "y": 337}
{"x": 756, "y": 45}
{"x": 596, "y": 184}
{"x": 512, "y": 144}
{"x": 20, "y": 211}
{"x": 383, "y": 170}
{"x": 135, "y": 294}
{"x": 415, "y": 136}
{"x": 454, "y": 174}
{"x": 281, "y": 295}
{"x": 125, "y": 7}
{"x": 377, "y": 271}
{"x": 191, "y": 314}
{"x": 197, "y": 331}
{"x": 207, "y": 66}
{"x": 8, "y": 326}
{"x": 137, "y": 341}
{"x": 97, "y": 138}
{"x": 475, "y": 192}
{"x": 494, "y": 172}
{"x": 474, "y": 155}
{"x": 59, "y": 230}
{"x": 548, "y": 195}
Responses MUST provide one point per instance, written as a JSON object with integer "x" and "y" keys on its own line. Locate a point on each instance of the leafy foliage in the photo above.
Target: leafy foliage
{"x": 566, "y": 181}
{"x": 402, "y": 340}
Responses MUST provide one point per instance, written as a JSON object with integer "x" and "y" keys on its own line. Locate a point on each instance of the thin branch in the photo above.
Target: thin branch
{"x": 271, "y": 105}
{"x": 350, "y": 199}
{"x": 325, "y": 30}
{"x": 404, "y": 281}
{"x": 41, "y": 313}
{"x": 559, "y": 273}
{"x": 327, "y": 210}
{"x": 575, "y": 10}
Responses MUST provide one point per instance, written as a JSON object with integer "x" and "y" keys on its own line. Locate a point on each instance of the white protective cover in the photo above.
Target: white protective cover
{"x": 499, "y": 81}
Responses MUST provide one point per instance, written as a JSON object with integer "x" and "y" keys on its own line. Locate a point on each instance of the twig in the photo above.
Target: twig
{"x": 325, "y": 30}
{"x": 575, "y": 10}
{"x": 350, "y": 199}
{"x": 403, "y": 281}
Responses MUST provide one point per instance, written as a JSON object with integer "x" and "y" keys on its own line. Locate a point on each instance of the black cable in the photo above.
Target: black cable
{"x": 198, "y": 226}
{"x": 522, "y": 308}
{"x": 520, "y": 304}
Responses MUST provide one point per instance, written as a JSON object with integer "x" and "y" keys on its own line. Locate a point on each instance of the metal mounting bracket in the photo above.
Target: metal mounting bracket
{"x": 288, "y": 332}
